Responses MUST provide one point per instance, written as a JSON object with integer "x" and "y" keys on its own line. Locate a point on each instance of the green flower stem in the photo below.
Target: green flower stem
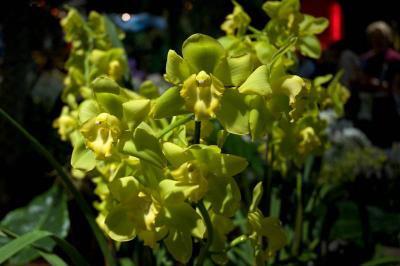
{"x": 268, "y": 177}
{"x": 210, "y": 234}
{"x": 254, "y": 30}
{"x": 204, "y": 249}
{"x": 174, "y": 125}
{"x": 197, "y": 128}
{"x": 237, "y": 241}
{"x": 299, "y": 217}
{"x": 83, "y": 205}
{"x": 87, "y": 55}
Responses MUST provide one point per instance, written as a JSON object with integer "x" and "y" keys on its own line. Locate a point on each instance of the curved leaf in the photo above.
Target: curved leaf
{"x": 47, "y": 211}
{"x": 30, "y": 238}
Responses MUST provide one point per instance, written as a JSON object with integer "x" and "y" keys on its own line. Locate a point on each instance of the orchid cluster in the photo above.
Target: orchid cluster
{"x": 157, "y": 175}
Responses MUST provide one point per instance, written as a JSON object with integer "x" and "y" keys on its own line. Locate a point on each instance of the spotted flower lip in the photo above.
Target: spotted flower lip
{"x": 192, "y": 173}
{"x": 202, "y": 94}
{"x": 101, "y": 133}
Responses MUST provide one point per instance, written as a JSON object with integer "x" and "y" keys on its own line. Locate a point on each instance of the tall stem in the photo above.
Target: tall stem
{"x": 298, "y": 229}
{"x": 210, "y": 233}
{"x": 197, "y": 129}
{"x": 268, "y": 176}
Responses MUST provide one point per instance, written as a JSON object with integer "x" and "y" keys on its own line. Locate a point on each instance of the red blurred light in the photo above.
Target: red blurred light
{"x": 336, "y": 19}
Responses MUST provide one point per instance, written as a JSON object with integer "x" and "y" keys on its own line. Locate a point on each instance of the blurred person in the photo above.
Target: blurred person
{"x": 379, "y": 85}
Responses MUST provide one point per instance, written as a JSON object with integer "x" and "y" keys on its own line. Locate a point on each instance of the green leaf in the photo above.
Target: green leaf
{"x": 170, "y": 103}
{"x": 257, "y": 83}
{"x": 202, "y": 52}
{"x": 52, "y": 259}
{"x": 47, "y": 211}
{"x": 83, "y": 205}
{"x": 257, "y": 194}
{"x": 234, "y": 112}
{"x": 177, "y": 70}
{"x": 310, "y": 46}
{"x": 30, "y": 238}
{"x": 82, "y": 158}
{"x": 382, "y": 261}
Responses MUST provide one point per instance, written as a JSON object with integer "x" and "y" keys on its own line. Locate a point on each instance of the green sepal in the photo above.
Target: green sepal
{"x": 105, "y": 84}
{"x": 281, "y": 9}
{"x": 118, "y": 225}
{"x": 265, "y": 51}
{"x": 224, "y": 195}
{"x": 311, "y": 25}
{"x": 202, "y": 52}
{"x": 222, "y": 165}
{"x": 260, "y": 118}
{"x": 234, "y": 113}
{"x": 240, "y": 68}
{"x": 87, "y": 110}
{"x": 222, "y": 227}
{"x": 177, "y": 70}
{"x": 82, "y": 158}
{"x": 145, "y": 145}
{"x": 122, "y": 189}
{"x": 183, "y": 222}
{"x": 257, "y": 83}
{"x": 175, "y": 154}
{"x": 170, "y": 103}
{"x": 110, "y": 103}
{"x": 135, "y": 111}
{"x": 290, "y": 85}
{"x": 320, "y": 80}
{"x": 149, "y": 90}
{"x": 310, "y": 46}
{"x": 272, "y": 229}
{"x": 257, "y": 195}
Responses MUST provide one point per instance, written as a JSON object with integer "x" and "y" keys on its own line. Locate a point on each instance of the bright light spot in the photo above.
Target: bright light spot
{"x": 125, "y": 17}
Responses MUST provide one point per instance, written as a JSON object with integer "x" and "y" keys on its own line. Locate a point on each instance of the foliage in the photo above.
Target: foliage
{"x": 163, "y": 165}
{"x": 51, "y": 214}
{"x": 176, "y": 187}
